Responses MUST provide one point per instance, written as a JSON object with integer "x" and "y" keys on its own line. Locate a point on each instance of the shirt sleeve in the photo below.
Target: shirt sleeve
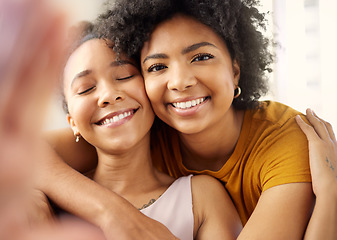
{"x": 285, "y": 157}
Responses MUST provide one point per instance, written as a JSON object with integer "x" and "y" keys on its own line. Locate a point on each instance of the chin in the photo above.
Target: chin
{"x": 188, "y": 128}
{"x": 117, "y": 147}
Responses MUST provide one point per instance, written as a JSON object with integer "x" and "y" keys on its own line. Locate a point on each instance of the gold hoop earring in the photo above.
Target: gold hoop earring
{"x": 238, "y": 92}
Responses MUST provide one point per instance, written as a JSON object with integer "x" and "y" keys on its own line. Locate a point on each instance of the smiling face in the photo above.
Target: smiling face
{"x": 189, "y": 75}
{"x": 106, "y": 98}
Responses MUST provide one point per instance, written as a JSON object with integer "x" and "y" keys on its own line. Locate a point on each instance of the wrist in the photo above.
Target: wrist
{"x": 117, "y": 215}
{"x": 112, "y": 210}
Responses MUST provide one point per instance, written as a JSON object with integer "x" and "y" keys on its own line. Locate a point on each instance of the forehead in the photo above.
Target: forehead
{"x": 181, "y": 31}
{"x": 86, "y": 54}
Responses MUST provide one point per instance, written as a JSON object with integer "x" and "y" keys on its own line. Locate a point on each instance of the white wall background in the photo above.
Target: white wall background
{"x": 305, "y": 71}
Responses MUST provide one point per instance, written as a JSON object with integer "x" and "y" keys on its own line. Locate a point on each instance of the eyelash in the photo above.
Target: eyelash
{"x": 194, "y": 59}
{"x": 86, "y": 91}
{"x": 199, "y": 55}
{"x": 125, "y": 78}
{"x": 91, "y": 88}
{"x": 152, "y": 67}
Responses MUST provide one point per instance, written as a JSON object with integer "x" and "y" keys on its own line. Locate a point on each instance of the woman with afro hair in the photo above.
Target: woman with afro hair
{"x": 204, "y": 64}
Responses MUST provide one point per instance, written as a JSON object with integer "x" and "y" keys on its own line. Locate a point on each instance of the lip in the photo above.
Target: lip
{"x": 116, "y": 118}
{"x": 188, "y": 106}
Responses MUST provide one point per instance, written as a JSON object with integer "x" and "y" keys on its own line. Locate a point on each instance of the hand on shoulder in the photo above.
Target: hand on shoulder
{"x": 322, "y": 154}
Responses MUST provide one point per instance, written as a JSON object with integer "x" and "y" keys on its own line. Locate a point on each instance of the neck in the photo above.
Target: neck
{"x": 211, "y": 148}
{"x": 128, "y": 172}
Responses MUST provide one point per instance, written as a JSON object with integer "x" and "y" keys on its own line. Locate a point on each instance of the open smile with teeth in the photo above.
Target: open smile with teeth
{"x": 189, "y": 104}
{"x": 116, "y": 118}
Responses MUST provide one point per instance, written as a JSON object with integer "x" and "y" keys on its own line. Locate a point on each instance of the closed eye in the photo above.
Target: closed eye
{"x": 156, "y": 67}
{"x": 202, "y": 57}
{"x": 125, "y": 78}
{"x": 86, "y": 91}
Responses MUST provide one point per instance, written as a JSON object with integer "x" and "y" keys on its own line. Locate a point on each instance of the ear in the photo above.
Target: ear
{"x": 72, "y": 124}
{"x": 236, "y": 72}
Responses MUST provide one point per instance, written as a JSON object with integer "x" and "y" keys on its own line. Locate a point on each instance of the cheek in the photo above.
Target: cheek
{"x": 80, "y": 112}
{"x": 225, "y": 91}
{"x": 224, "y": 80}
{"x": 137, "y": 88}
{"x": 154, "y": 90}
{"x": 137, "y": 91}
{"x": 155, "y": 94}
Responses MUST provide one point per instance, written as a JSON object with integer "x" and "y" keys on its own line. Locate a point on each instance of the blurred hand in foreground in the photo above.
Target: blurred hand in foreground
{"x": 31, "y": 49}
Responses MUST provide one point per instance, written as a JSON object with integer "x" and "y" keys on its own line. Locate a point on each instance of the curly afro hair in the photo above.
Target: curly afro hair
{"x": 129, "y": 23}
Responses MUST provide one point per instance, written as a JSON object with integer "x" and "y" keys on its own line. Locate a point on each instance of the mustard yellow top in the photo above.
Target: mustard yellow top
{"x": 271, "y": 150}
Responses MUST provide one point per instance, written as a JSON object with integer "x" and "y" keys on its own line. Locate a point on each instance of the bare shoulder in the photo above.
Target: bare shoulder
{"x": 215, "y": 216}
{"x": 207, "y": 190}
{"x": 206, "y": 184}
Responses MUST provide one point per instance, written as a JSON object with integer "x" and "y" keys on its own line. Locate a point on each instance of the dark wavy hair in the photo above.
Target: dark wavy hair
{"x": 129, "y": 23}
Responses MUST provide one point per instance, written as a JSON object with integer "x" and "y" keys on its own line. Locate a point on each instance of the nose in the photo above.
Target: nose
{"x": 181, "y": 79}
{"x": 108, "y": 96}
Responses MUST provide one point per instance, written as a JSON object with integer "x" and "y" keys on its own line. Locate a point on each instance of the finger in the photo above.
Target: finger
{"x": 331, "y": 132}
{"x": 16, "y": 19}
{"x": 318, "y": 125}
{"x": 42, "y": 78}
{"x": 328, "y": 127}
{"x": 12, "y": 21}
{"x": 308, "y": 130}
{"x": 33, "y": 72}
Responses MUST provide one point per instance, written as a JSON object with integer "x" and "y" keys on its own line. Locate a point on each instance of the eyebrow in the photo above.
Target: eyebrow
{"x": 121, "y": 62}
{"x": 156, "y": 56}
{"x": 184, "y": 51}
{"x": 80, "y": 75}
{"x": 112, "y": 64}
{"x": 196, "y": 46}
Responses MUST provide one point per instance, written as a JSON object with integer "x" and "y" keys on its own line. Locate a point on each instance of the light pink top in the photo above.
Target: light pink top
{"x": 174, "y": 209}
